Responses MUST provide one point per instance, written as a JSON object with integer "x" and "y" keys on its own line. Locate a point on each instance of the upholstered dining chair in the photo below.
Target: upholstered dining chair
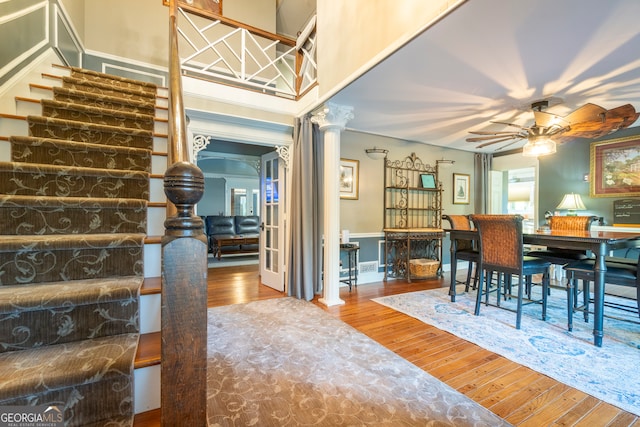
{"x": 620, "y": 271}
{"x": 465, "y": 249}
{"x": 561, "y": 256}
{"x": 501, "y": 251}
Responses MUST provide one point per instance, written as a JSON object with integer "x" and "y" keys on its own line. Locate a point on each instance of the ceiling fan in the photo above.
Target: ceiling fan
{"x": 589, "y": 121}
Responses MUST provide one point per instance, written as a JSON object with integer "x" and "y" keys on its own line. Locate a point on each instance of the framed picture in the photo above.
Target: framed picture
{"x": 615, "y": 167}
{"x": 461, "y": 189}
{"x": 349, "y": 170}
{"x": 428, "y": 180}
{"x": 213, "y": 6}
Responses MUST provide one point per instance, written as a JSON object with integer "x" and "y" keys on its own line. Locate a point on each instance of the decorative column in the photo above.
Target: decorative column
{"x": 332, "y": 120}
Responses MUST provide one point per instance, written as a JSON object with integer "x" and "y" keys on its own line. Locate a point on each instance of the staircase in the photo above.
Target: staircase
{"x": 75, "y": 191}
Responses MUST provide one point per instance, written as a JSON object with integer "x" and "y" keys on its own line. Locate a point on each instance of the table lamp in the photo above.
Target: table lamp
{"x": 571, "y": 202}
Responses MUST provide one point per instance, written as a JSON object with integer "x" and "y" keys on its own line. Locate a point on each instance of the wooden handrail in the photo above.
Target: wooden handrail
{"x": 233, "y": 23}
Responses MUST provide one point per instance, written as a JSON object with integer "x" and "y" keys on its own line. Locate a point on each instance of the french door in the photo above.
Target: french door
{"x": 272, "y": 245}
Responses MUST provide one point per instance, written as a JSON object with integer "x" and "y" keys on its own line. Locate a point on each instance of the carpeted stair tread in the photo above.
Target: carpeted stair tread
{"x": 53, "y": 367}
{"x": 46, "y": 127}
{"x": 97, "y": 115}
{"x": 27, "y": 215}
{"x": 71, "y": 153}
{"x": 81, "y": 73}
{"x": 67, "y": 181}
{"x": 30, "y": 259}
{"x": 107, "y": 89}
{"x": 76, "y": 242}
{"x": 146, "y": 107}
{"x": 58, "y": 294}
{"x": 48, "y": 314}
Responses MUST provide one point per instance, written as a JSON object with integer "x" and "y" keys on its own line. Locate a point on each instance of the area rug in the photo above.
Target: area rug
{"x": 286, "y": 362}
{"x": 609, "y": 373}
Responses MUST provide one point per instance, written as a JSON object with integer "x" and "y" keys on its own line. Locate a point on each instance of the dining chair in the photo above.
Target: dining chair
{"x": 561, "y": 256}
{"x": 620, "y": 271}
{"x": 501, "y": 250}
{"x": 465, "y": 249}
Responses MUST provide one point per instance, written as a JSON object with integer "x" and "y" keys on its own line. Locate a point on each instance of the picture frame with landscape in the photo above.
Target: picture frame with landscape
{"x": 615, "y": 167}
{"x": 461, "y": 184}
{"x": 349, "y": 170}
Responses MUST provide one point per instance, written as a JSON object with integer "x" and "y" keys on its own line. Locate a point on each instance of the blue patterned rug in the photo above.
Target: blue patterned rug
{"x": 609, "y": 373}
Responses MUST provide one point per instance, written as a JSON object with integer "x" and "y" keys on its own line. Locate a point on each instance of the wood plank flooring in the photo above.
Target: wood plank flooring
{"x": 518, "y": 394}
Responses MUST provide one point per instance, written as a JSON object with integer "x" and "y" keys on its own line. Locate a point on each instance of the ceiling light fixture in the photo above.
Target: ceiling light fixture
{"x": 539, "y": 146}
{"x": 376, "y": 153}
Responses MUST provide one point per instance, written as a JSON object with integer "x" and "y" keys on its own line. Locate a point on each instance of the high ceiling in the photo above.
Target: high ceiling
{"x": 489, "y": 60}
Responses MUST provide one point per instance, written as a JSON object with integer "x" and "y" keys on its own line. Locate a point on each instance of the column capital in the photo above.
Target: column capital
{"x": 332, "y": 116}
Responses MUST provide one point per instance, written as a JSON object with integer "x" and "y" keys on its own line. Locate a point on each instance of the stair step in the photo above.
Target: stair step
{"x": 91, "y": 379}
{"x": 114, "y": 81}
{"x": 43, "y": 215}
{"x": 151, "y": 286}
{"x": 46, "y": 127}
{"x": 149, "y": 350}
{"x": 109, "y": 102}
{"x": 52, "y": 258}
{"x": 18, "y": 178}
{"x": 30, "y": 149}
{"x": 97, "y": 115}
{"x": 61, "y": 312}
{"x": 108, "y": 89}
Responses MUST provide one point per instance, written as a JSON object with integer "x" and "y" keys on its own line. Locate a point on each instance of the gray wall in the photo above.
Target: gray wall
{"x": 563, "y": 173}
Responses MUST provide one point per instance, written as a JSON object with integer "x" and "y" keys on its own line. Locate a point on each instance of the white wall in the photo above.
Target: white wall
{"x": 352, "y": 32}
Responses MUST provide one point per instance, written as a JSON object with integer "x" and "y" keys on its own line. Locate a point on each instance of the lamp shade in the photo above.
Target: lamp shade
{"x": 571, "y": 202}
{"x": 538, "y": 146}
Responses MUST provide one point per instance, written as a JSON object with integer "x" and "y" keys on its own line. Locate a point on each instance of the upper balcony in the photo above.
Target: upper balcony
{"x": 222, "y": 50}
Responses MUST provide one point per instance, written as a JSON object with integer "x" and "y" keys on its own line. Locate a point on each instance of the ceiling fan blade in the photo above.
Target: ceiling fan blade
{"x": 586, "y": 113}
{"x": 607, "y": 122}
{"x": 480, "y": 132}
{"x": 486, "y": 144}
{"x": 486, "y": 138}
{"x": 548, "y": 120}
{"x": 625, "y": 115}
{"x": 506, "y": 145}
{"x": 510, "y": 124}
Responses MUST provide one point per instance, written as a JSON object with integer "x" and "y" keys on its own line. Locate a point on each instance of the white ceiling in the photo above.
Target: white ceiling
{"x": 490, "y": 59}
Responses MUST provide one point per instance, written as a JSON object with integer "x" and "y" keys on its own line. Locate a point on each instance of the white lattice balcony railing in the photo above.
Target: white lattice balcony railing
{"x": 219, "y": 49}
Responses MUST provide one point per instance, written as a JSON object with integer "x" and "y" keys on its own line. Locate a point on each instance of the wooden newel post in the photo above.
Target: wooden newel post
{"x": 184, "y": 302}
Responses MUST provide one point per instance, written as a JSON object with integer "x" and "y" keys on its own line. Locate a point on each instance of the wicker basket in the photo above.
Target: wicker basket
{"x": 422, "y": 267}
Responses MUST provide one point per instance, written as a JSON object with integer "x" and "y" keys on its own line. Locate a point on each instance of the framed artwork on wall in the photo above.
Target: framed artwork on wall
{"x": 349, "y": 170}
{"x": 615, "y": 167}
{"x": 428, "y": 180}
{"x": 461, "y": 188}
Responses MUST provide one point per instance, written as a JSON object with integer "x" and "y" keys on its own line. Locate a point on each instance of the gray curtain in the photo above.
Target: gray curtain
{"x": 482, "y": 168}
{"x": 306, "y": 216}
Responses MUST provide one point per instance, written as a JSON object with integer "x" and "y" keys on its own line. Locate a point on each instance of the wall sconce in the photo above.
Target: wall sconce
{"x": 571, "y": 202}
{"x": 445, "y": 163}
{"x": 376, "y": 153}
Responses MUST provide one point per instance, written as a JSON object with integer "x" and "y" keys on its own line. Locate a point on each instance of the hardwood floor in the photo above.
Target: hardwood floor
{"x": 518, "y": 394}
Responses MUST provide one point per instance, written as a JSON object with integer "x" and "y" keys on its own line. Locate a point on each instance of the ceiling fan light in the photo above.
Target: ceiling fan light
{"x": 539, "y": 146}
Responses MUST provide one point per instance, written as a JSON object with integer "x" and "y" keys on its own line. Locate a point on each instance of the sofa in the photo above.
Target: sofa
{"x": 228, "y": 235}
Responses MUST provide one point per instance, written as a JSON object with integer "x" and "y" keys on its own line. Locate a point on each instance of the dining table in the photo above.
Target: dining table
{"x": 599, "y": 243}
